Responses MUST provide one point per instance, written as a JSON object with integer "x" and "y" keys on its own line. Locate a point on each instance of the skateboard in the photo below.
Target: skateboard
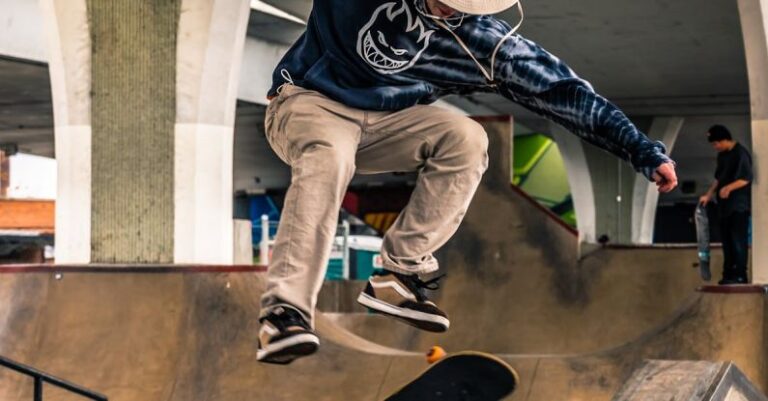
{"x": 702, "y": 238}
{"x": 463, "y": 376}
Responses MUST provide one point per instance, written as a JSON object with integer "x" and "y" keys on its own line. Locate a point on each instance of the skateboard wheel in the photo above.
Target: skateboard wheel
{"x": 435, "y": 354}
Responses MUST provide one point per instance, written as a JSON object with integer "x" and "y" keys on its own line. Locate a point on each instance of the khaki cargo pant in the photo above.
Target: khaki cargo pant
{"x": 326, "y": 143}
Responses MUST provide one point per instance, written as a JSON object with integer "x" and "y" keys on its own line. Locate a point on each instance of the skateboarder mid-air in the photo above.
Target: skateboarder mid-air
{"x": 351, "y": 96}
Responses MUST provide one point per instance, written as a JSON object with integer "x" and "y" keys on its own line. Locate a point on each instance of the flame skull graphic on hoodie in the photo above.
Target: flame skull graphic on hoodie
{"x": 389, "y": 55}
{"x": 393, "y": 39}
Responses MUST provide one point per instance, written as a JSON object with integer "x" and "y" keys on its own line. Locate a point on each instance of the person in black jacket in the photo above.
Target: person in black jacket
{"x": 731, "y": 189}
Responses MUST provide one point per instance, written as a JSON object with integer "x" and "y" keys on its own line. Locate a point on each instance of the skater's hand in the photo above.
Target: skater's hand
{"x": 725, "y": 192}
{"x": 665, "y": 177}
{"x": 704, "y": 199}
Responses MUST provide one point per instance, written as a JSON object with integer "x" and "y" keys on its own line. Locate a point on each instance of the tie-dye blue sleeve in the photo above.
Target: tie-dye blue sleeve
{"x": 536, "y": 79}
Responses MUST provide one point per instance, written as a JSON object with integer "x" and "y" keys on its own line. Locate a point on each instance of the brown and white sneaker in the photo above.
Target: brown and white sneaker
{"x": 403, "y": 296}
{"x": 284, "y": 336}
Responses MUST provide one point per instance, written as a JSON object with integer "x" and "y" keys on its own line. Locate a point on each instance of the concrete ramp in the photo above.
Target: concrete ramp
{"x": 174, "y": 334}
{"x": 186, "y": 334}
{"x": 688, "y": 381}
{"x": 517, "y": 286}
{"x": 548, "y": 295}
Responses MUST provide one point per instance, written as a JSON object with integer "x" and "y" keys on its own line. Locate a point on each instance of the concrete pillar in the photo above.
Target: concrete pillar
{"x": 754, "y": 25}
{"x": 210, "y": 50}
{"x": 144, "y": 100}
{"x": 5, "y": 174}
{"x": 610, "y": 198}
{"x": 580, "y": 181}
{"x": 69, "y": 65}
{"x": 645, "y": 196}
{"x": 259, "y": 61}
{"x": 243, "y": 242}
{"x": 133, "y": 107}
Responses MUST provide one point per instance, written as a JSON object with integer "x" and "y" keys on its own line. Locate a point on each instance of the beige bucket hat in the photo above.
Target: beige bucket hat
{"x": 480, "y": 7}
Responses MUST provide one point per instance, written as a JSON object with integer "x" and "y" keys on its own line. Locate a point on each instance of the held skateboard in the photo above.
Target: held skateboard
{"x": 464, "y": 376}
{"x": 702, "y": 238}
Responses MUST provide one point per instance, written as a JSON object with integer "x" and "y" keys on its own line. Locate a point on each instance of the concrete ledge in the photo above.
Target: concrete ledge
{"x": 734, "y": 289}
{"x": 109, "y": 268}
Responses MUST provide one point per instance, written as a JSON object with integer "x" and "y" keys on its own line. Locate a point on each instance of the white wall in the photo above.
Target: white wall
{"x": 32, "y": 177}
{"x": 21, "y": 30}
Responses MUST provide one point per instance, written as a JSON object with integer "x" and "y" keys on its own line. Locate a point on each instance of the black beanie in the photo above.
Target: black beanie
{"x": 719, "y": 133}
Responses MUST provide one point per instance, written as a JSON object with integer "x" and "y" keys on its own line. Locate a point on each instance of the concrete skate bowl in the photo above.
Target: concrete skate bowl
{"x": 516, "y": 286}
{"x": 517, "y": 282}
{"x": 628, "y": 292}
{"x": 151, "y": 334}
{"x": 190, "y": 335}
{"x": 710, "y": 325}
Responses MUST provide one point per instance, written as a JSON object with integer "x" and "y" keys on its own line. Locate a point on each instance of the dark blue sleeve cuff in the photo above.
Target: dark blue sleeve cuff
{"x": 648, "y": 158}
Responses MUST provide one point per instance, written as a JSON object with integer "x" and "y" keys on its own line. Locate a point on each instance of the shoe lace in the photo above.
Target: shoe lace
{"x": 432, "y": 284}
{"x": 288, "y": 318}
{"x": 418, "y": 286}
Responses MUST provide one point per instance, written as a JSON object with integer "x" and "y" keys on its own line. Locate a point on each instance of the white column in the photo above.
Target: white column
{"x": 209, "y": 55}
{"x": 69, "y": 62}
{"x": 259, "y": 61}
{"x": 209, "y": 49}
{"x": 580, "y": 181}
{"x": 243, "y": 242}
{"x": 645, "y": 197}
{"x": 754, "y": 25}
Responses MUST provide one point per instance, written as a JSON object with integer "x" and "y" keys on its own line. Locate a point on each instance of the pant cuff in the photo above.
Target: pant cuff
{"x": 429, "y": 266}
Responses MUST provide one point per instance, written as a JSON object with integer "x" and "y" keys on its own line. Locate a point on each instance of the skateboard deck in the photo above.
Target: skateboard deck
{"x": 702, "y": 238}
{"x": 464, "y": 376}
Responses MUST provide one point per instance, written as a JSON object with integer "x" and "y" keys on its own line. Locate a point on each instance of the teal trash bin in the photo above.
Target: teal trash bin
{"x": 364, "y": 257}
{"x": 335, "y": 270}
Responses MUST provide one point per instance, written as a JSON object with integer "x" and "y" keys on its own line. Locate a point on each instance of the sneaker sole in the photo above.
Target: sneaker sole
{"x": 420, "y": 320}
{"x": 286, "y": 351}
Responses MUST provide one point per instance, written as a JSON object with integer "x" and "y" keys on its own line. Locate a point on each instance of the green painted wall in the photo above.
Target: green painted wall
{"x": 133, "y": 114}
{"x": 539, "y": 171}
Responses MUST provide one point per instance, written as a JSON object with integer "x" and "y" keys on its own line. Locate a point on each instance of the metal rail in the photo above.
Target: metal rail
{"x": 42, "y": 377}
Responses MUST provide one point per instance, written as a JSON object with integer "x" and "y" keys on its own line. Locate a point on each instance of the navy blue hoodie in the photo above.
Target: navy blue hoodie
{"x": 388, "y": 55}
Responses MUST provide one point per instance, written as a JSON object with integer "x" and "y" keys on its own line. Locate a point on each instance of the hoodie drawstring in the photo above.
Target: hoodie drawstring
{"x": 288, "y": 80}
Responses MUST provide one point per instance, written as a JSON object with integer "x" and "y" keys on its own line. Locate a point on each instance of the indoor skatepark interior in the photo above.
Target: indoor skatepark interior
{"x": 141, "y": 278}
{"x": 574, "y": 330}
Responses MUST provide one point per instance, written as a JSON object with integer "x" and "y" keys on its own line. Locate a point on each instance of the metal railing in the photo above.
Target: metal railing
{"x": 42, "y": 377}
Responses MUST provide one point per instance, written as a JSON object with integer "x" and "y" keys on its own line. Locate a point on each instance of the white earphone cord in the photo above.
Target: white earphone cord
{"x": 490, "y": 77}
